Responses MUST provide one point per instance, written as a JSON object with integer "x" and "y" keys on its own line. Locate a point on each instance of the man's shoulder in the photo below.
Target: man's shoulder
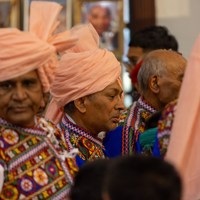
{"x": 113, "y": 142}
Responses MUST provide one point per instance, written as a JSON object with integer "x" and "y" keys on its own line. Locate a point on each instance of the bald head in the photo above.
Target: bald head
{"x": 162, "y": 73}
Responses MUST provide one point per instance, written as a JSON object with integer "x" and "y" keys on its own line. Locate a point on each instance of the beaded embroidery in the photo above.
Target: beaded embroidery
{"x": 165, "y": 126}
{"x": 90, "y": 148}
{"x": 134, "y": 124}
{"x": 33, "y": 163}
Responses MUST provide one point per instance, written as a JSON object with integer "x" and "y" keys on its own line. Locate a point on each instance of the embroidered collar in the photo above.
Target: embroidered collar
{"x": 35, "y": 131}
{"x": 142, "y": 103}
{"x": 67, "y": 125}
{"x": 42, "y": 128}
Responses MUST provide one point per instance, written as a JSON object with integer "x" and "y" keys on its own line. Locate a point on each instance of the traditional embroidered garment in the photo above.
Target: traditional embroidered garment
{"x": 165, "y": 127}
{"x": 123, "y": 139}
{"x": 35, "y": 166}
{"x": 90, "y": 147}
{"x": 135, "y": 124}
{"x": 155, "y": 141}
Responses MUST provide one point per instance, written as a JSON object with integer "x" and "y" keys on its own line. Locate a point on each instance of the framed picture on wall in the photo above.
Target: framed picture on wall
{"x": 107, "y": 19}
{"x": 9, "y": 13}
{"x": 64, "y": 17}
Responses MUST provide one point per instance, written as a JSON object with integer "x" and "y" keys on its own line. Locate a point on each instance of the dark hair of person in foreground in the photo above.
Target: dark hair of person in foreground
{"x": 88, "y": 182}
{"x": 141, "y": 178}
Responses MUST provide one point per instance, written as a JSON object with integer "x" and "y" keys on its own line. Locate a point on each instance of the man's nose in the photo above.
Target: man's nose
{"x": 19, "y": 93}
{"x": 120, "y": 103}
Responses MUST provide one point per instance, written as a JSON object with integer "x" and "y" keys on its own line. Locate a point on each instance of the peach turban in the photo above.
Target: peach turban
{"x": 84, "y": 69}
{"x": 22, "y": 52}
{"x": 184, "y": 146}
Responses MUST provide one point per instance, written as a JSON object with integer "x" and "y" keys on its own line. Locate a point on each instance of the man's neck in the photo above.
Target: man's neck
{"x": 78, "y": 120}
{"x": 153, "y": 100}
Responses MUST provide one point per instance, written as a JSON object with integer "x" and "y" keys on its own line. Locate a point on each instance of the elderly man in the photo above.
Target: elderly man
{"x": 87, "y": 94}
{"x": 141, "y": 43}
{"x": 159, "y": 78}
{"x": 34, "y": 165}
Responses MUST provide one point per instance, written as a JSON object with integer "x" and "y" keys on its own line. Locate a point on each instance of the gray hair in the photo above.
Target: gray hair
{"x": 151, "y": 66}
{"x": 158, "y": 63}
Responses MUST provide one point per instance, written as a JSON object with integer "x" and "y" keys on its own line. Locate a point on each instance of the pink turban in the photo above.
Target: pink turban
{"x": 22, "y": 52}
{"x": 184, "y": 146}
{"x": 85, "y": 71}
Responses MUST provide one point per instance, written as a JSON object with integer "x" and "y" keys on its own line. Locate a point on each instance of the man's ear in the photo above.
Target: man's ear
{"x": 80, "y": 104}
{"x": 153, "y": 84}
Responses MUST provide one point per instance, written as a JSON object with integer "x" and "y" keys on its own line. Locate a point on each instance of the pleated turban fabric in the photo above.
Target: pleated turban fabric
{"x": 22, "y": 52}
{"x": 84, "y": 69}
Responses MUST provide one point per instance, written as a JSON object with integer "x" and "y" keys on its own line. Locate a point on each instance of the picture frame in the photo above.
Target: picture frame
{"x": 65, "y": 16}
{"x": 9, "y": 13}
{"x": 111, "y": 31}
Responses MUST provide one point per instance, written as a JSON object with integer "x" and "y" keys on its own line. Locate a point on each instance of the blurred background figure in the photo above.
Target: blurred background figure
{"x": 101, "y": 17}
{"x": 141, "y": 178}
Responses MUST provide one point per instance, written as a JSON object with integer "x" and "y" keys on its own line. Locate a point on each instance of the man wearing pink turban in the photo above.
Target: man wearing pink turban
{"x": 87, "y": 94}
{"x": 34, "y": 165}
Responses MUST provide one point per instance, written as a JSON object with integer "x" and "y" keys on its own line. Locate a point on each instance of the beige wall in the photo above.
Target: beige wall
{"x": 184, "y": 24}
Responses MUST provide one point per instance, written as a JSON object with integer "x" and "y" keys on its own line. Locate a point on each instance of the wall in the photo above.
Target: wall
{"x": 185, "y": 26}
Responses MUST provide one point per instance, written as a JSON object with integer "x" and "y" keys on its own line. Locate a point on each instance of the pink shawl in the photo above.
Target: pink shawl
{"x": 184, "y": 146}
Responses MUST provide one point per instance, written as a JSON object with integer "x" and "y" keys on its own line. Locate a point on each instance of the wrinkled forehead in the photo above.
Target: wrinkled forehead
{"x": 14, "y": 75}
{"x": 31, "y": 75}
